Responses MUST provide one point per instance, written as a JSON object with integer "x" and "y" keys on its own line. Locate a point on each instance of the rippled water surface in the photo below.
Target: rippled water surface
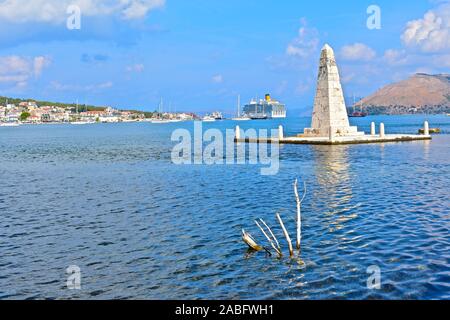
{"x": 108, "y": 199}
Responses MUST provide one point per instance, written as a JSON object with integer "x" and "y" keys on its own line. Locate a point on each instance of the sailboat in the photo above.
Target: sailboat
{"x": 160, "y": 109}
{"x": 80, "y": 122}
{"x": 239, "y": 117}
{"x": 176, "y": 119}
{"x": 357, "y": 114}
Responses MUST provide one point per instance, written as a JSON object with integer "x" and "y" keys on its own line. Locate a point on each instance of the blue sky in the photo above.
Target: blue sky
{"x": 200, "y": 54}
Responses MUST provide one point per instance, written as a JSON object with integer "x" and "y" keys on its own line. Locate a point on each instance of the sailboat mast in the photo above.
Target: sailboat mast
{"x": 239, "y": 106}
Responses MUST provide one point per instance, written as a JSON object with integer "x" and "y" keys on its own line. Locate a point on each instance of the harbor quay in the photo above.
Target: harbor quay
{"x": 279, "y": 138}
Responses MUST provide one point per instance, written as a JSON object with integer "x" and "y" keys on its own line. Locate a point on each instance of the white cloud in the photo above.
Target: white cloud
{"x": 138, "y": 68}
{"x": 362, "y": 74}
{"x": 55, "y": 11}
{"x": 394, "y": 57}
{"x": 218, "y": 78}
{"x": 18, "y": 70}
{"x": 39, "y": 63}
{"x": 139, "y": 9}
{"x": 306, "y": 43}
{"x": 358, "y": 52}
{"x": 430, "y": 33}
{"x": 86, "y": 88}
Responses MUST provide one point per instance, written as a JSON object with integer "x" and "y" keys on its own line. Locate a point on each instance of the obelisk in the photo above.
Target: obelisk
{"x": 329, "y": 117}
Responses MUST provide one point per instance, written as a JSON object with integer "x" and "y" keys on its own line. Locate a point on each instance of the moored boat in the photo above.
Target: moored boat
{"x": 431, "y": 130}
{"x": 208, "y": 118}
{"x": 160, "y": 121}
{"x": 357, "y": 114}
{"x": 81, "y": 122}
{"x": 239, "y": 116}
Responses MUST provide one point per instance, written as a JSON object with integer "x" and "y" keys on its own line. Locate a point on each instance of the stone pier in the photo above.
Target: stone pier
{"x": 330, "y": 123}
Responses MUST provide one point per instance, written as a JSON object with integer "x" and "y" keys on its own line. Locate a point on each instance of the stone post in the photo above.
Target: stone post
{"x": 238, "y": 133}
{"x": 331, "y": 134}
{"x": 426, "y": 128}
{"x": 382, "y": 131}
{"x": 280, "y": 133}
{"x": 372, "y": 129}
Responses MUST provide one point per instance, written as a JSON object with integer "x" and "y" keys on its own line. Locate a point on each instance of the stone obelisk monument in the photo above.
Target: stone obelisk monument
{"x": 329, "y": 117}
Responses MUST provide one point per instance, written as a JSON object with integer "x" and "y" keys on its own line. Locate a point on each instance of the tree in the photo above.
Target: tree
{"x": 24, "y": 116}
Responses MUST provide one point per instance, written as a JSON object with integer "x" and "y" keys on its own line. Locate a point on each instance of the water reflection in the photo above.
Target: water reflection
{"x": 332, "y": 173}
{"x": 426, "y": 149}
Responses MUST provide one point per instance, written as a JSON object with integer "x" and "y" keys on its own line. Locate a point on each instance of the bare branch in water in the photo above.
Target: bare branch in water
{"x": 299, "y": 215}
{"x": 272, "y": 234}
{"x": 268, "y": 238}
{"x": 286, "y": 234}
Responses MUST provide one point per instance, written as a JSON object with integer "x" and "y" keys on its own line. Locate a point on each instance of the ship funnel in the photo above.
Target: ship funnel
{"x": 268, "y": 97}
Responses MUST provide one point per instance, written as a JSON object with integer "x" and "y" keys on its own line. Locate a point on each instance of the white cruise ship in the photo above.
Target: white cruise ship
{"x": 265, "y": 109}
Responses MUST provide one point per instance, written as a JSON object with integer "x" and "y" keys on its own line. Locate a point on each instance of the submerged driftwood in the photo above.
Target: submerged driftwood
{"x": 248, "y": 239}
{"x": 270, "y": 236}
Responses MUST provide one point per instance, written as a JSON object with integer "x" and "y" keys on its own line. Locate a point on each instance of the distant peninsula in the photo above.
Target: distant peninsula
{"x": 82, "y": 107}
{"x": 420, "y": 94}
{"x": 15, "y": 111}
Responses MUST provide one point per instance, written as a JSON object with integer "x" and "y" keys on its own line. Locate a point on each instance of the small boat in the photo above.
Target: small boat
{"x": 217, "y": 115}
{"x": 160, "y": 121}
{"x": 432, "y": 131}
{"x": 80, "y": 122}
{"x": 241, "y": 119}
{"x": 208, "y": 119}
{"x": 258, "y": 116}
{"x": 357, "y": 114}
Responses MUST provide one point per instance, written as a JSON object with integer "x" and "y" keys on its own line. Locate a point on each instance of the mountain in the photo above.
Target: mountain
{"x": 421, "y": 93}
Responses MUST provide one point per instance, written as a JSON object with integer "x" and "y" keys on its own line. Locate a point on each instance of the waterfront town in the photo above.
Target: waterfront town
{"x": 29, "y": 112}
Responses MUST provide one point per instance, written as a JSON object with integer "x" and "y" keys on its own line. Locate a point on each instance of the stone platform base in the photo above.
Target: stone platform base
{"x": 336, "y": 131}
{"x": 359, "y": 139}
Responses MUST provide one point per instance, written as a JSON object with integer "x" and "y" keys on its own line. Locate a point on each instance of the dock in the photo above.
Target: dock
{"x": 337, "y": 141}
